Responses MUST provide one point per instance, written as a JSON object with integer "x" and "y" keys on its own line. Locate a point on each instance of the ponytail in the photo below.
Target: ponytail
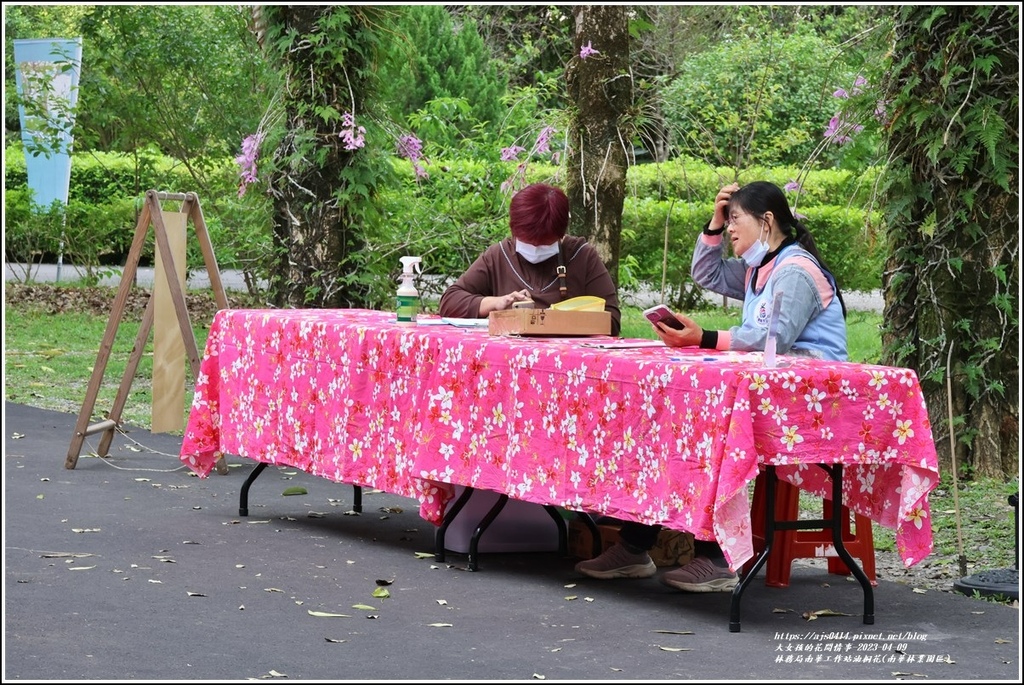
{"x": 806, "y": 240}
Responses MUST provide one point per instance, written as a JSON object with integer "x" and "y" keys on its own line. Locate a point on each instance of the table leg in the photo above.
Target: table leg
{"x": 449, "y": 516}
{"x": 484, "y": 523}
{"x": 833, "y": 523}
{"x": 563, "y": 536}
{"x": 243, "y": 498}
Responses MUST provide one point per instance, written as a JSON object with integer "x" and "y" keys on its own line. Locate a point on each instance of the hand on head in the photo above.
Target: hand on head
{"x": 721, "y": 217}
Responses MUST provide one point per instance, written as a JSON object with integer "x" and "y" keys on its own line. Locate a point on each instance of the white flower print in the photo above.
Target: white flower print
{"x": 903, "y": 431}
{"x": 790, "y": 381}
{"x": 813, "y": 399}
{"x": 883, "y": 401}
{"x": 791, "y": 437}
{"x": 758, "y": 382}
{"x": 878, "y": 379}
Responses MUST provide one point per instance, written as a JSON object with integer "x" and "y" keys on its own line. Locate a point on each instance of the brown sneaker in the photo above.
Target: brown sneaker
{"x": 701, "y": 575}
{"x": 618, "y": 562}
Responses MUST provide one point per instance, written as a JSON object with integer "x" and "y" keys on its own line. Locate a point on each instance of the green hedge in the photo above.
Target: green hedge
{"x": 447, "y": 218}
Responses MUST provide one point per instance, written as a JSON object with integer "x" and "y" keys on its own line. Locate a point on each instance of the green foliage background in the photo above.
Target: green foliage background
{"x": 448, "y": 219}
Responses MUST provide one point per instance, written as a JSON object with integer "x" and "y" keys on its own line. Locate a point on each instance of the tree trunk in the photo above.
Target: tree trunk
{"x": 317, "y": 232}
{"x": 952, "y": 278}
{"x": 600, "y": 88}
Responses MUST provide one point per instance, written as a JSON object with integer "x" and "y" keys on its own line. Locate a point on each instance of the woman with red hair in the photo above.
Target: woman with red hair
{"x": 538, "y": 262}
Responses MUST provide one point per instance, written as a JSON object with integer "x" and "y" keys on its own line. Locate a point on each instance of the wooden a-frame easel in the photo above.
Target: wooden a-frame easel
{"x": 151, "y": 214}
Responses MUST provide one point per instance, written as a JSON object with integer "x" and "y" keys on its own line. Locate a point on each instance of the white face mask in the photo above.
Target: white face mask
{"x": 535, "y": 254}
{"x": 756, "y": 252}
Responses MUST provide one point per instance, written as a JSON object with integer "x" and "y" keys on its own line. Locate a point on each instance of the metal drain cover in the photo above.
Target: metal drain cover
{"x": 999, "y": 582}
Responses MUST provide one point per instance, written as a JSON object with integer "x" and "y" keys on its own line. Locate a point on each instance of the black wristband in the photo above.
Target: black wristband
{"x": 709, "y": 339}
{"x": 717, "y": 231}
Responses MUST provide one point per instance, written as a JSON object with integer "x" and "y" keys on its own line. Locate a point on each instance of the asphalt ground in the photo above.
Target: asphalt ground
{"x": 129, "y": 568}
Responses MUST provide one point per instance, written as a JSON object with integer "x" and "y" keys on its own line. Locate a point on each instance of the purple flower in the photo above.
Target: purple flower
{"x": 880, "y": 111}
{"x": 509, "y": 154}
{"x": 856, "y": 90}
{"x": 792, "y": 187}
{"x": 516, "y": 180}
{"x": 411, "y": 147}
{"x": 543, "y": 143}
{"x": 586, "y": 51}
{"x": 354, "y": 136}
{"x": 839, "y": 130}
{"x": 247, "y": 160}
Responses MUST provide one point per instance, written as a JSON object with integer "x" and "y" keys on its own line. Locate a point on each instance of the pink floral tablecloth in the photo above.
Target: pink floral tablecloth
{"x": 649, "y": 434}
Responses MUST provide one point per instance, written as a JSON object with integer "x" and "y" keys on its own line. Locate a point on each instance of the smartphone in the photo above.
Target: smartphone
{"x": 660, "y": 312}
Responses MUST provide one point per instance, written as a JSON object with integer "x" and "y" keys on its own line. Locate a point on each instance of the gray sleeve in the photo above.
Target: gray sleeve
{"x": 719, "y": 275}
{"x": 801, "y": 302}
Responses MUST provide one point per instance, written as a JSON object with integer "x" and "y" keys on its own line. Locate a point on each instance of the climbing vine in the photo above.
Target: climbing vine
{"x": 952, "y": 209}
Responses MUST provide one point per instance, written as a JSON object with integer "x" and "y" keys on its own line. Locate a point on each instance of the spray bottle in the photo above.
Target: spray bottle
{"x": 408, "y": 297}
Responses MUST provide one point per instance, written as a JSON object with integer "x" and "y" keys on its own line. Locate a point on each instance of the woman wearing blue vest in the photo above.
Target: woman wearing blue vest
{"x": 774, "y": 253}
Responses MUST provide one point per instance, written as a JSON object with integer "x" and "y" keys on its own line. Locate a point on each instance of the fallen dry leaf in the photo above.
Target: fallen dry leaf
{"x": 325, "y": 614}
{"x": 61, "y": 555}
{"x": 811, "y": 615}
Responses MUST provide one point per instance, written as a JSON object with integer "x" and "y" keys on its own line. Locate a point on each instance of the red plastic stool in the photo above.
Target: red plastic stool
{"x": 805, "y": 544}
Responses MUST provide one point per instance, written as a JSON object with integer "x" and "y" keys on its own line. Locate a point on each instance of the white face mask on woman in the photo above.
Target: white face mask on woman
{"x": 535, "y": 254}
{"x": 756, "y": 252}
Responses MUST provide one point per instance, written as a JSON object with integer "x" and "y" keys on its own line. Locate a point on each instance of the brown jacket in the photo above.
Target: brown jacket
{"x": 499, "y": 271}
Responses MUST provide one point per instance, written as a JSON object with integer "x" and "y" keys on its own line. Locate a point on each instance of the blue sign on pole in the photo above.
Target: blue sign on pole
{"x": 46, "y": 74}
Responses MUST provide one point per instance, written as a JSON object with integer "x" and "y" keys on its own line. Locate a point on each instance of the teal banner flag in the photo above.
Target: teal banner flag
{"x": 46, "y": 74}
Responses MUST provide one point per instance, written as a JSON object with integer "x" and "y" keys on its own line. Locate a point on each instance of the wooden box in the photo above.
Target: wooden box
{"x": 549, "y": 322}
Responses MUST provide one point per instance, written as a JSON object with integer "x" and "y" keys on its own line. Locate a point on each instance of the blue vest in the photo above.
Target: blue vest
{"x": 824, "y": 334}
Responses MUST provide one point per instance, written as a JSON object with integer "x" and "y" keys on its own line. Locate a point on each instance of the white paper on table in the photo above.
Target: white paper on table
{"x": 623, "y": 344}
{"x": 466, "y": 323}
